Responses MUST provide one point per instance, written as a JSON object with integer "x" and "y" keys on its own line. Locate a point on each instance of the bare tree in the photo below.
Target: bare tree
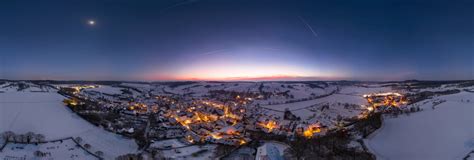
{"x": 29, "y": 136}
{"x": 38, "y": 154}
{"x": 298, "y": 147}
{"x": 19, "y": 138}
{"x": 78, "y": 139}
{"x": 99, "y": 153}
{"x": 40, "y": 138}
{"x": 8, "y": 135}
{"x": 87, "y": 146}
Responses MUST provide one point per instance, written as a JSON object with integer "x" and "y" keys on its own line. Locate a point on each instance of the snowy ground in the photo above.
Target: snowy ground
{"x": 169, "y": 143}
{"x": 279, "y": 145}
{"x": 106, "y": 89}
{"x": 11, "y": 87}
{"x": 59, "y": 150}
{"x": 335, "y": 98}
{"x": 357, "y": 90}
{"x": 44, "y": 113}
{"x": 187, "y": 152}
{"x": 311, "y": 112}
{"x": 446, "y": 132}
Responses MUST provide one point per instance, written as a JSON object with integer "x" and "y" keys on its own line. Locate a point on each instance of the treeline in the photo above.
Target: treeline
{"x": 417, "y": 97}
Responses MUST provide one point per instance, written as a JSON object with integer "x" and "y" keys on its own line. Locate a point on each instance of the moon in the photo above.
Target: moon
{"x": 91, "y": 22}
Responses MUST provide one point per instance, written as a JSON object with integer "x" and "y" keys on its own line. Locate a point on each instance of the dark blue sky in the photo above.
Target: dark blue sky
{"x": 223, "y": 39}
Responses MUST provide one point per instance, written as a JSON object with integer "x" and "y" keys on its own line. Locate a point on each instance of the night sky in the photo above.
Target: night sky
{"x": 236, "y": 40}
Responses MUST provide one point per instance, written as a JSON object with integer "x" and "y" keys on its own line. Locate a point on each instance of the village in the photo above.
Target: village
{"x": 198, "y": 120}
{"x": 225, "y": 120}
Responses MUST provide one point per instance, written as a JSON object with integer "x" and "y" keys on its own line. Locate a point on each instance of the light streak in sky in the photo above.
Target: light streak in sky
{"x": 220, "y": 51}
{"x": 308, "y": 26}
{"x": 185, "y": 2}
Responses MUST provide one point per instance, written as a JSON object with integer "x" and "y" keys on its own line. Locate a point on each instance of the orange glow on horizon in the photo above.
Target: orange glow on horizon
{"x": 247, "y": 78}
{"x": 256, "y": 78}
{"x": 237, "y": 72}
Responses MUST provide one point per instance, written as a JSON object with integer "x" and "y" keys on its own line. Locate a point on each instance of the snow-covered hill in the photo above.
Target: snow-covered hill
{"x": 44, "y": 113}
{"x": 445, "y": 131}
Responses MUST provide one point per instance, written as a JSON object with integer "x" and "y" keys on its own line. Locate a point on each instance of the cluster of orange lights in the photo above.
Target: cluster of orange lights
{"x": 229, "y": 114}
{"x": 200, "y": 117}
{"x": 311, "y": 130}
{"x": 385, "y": 99}
{"x": 216, "y": 136}
{"x": 79, "y": 88}
{"x": 213, "y": 104}
{"x": 71, "y": 102}
{"x": 270, "y": 125}
{"x": 138, "y": 107}
{"x": 184, "y": 122}
{"x": 242, "y": 142}
{"x": 243, "y": 100}
{"x": 190, "y": 139}
{"x": 204, "y": 117}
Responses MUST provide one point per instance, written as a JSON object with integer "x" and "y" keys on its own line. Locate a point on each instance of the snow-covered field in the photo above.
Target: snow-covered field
{"x": 106, "y": 89}
{"x": 357, "y": 90}
{"x": 171, "y": 143}
{"x": 335, "y": 98}
{"x": 446, "y": 132}
{"x": 280, "y": 146}
{"x": 201, "y": 152}
{"x": 44, "y": 113}
{"x": 65, "y": 149}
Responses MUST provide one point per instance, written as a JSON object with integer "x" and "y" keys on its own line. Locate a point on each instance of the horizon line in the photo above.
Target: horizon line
{"x": 202, "y": 80}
